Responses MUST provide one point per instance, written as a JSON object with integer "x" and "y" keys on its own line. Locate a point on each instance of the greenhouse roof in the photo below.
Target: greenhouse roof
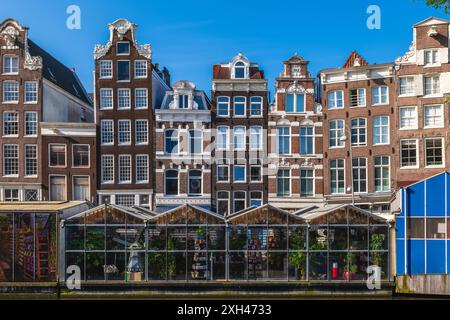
{"x": 41, "y": 206}
{"x": 319, "y": 212}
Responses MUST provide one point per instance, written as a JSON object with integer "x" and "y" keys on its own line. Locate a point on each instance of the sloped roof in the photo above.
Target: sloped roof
{"x": 410, "y": 184}
{"x": 319, "y": 212}
{"x": 187, "y": 205}
{"x": 354, "y": 56}
{"x": 431, "y": 20}
{"x": 60, "y": 75}
{"x": 40, "y": 206}
{"x": 295, "y": 59}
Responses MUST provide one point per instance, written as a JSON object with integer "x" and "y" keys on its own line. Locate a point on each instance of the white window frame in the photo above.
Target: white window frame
{"x": 102, "y": 126}
{"x": 337, "y": 139}
{"x": 65, "y": 155}
{"x": 17, "y": 159}
{"x": 110, "y": 104}
{"x": 227, "y": 136}
{"x": 245, "y": 173}
{"x": 102, "y": 68}
{"x": 252, "y": 133}
{"x": 73, "y": 155}
{"x": 335, "y": 105}
{"x": 228, "y": 106}
{"x": 358, "y": 129}
{"x": 73, "y": 184}
{"x": 129, "y": 71}
{"x": 417, "y": 155}
{"x": 189, "y": 182}
{"x": 17, "y": 121}
{"x": 217, "y": 175}
{"x": 382, "y": 167}
{"x": 441, "y": 116}
{"x": 259, "y": 103}
{"x": 283, "y": 135}
{"x": 442, "y": 152}
{"x": 120, "y": 168}
{"x": 50, "y": 186}
{"x": 250, "y": 173}
{"x": 252, "y": 198}
{"x": 10, "y": 65}
{"x": 379, "y": 89}
{"x": 433, "y": 55}
{"x": 136, "y": 62}
{"x": 380, "y": 128}
{"x": 165, "y": 182}
{"x": 145, "y": 156}
{"x": 234, "y": 200}
{"x": 359, "y": 97}
{"x": 408, "y": 87}
{"x": 124, "y": 99}
{"x": 244, "y": 137}
{"x": 16, "y": 93}
{"x": 337, "y": 176}
{"x": 34, "y": 93}
{"x": 313, "y": 179}
{"x": 123, "y": 54}
{"x": 195, "y": 131}
{"x": 435, "y": 85}
{"x": 34, "y": 122}
{"x": 36, "y": 159}
{"x": 138, "y": 133}
{"x": 400, "y": 118}
{"x": 307, "y": 136}
{"x": 110, "y": 158}
{"x": 245, "y": 107}
{"x": 222, "y": 199}
{"x": 358, "y": 167}
{"x": 127, "y": 132}
{"x": 290, "y": 183}
{"x": 172, "y": 138}
{"x": 136, "y": 98}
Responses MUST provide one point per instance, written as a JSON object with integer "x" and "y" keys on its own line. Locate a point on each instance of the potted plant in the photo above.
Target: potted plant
{"x": 376, "y": 243}
{"x": 350, "y": 267}
{"x": 298, "y": 260}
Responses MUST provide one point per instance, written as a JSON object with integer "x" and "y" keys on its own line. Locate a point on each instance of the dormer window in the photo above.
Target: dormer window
{"x": 296, "y": 70}
{"x": 123, "y": 48}
{"x": 239, "y": 70}
{"x": 183, "y": 101}
{"x": 431, "y": 57}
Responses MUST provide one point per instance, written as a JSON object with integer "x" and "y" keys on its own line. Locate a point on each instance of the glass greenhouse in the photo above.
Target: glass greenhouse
{"x": 188, "y": 243}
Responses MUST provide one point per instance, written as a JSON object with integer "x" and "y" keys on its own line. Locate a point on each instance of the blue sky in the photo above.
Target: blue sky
{"x": 190, "y": 36}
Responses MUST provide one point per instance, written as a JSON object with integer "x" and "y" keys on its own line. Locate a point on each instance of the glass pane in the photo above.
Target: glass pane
{"x": 257, "y": 238}
{"x": 278, "y": 265}
{"x": 94, "y": 266}
{"x": 156, "y": 265}
{"x": 277, "y": 238}
{"x": 318, "y": 238}
{"x": 95, "y": 238}
{"x": 6, "y": 247}
{"x": 157, "y": 238}
{"x": 216, "y": 238}
{"x": 257, "y": 265}
{"x": 379, "y": 238}
{"x": 24, "y": 247}
{"x": 338, "y": 266}
{"x": 115, "y": 238}
{"x": 217, "y": 261}
{"x": 135, "y": 269}
{"x": 338, "y": 238}
{"x": 196, "y": 238}
{"x": 74, "y": 237}
{"x": 46, "y": 251}
{"x": 199, "y": 267}
{"x": 115, "y": 266}
{"x": 380, "y": 259}
{"x": 297, "y": 238}
{"x": 238, "y": 238}
{"x": 297, "y": 265}
{"x": 358, "y": 262}
{"x": 238, "y": 266}
{"x": 176, "y": 238}
{"x": 318, "y": 266}
{"x": 358, "y": 238}
{"x": 177, "y": 217}
{"x": 176, "y": 265}
{"x": 76, "y": 259}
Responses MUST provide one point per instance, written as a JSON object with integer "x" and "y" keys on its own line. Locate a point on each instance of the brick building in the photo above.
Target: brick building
{"x": 358, "y": 105}
{"x": 183, "y": 148}
{"x": 239, "y": 113}
{"x": 295, "y": 139}
{"x": 35, "y": 88}
{"x": 422, "y": 116}
{"x": 126, "y": 87}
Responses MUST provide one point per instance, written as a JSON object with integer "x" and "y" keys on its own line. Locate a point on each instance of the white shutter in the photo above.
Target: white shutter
{"x": 418, "y": 82}
{"x": 445, "y": 82}
{"x": 420, "y": 57}
{"x": 443, "y": 55}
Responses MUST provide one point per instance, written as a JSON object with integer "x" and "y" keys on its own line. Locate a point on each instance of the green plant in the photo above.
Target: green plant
{"x": 201, "y": 232}
{"x": 351, "y": 265}
{"x": 171, "y": 262}
{"x": 298, "y": 260}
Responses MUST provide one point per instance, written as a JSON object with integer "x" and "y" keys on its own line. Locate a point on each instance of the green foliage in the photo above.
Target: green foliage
{"x": 171, "y": 262}
{"x": 439, "y": 4}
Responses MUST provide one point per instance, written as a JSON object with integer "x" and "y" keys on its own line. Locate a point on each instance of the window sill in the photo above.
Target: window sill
{"x": 433, "y": 95}
{"x": 57, "y": 167}
{"x": 140, "y": 78}
{"x": 407, "y": 95}
{"x": 105, "y": 78}
{"x": 10, "y": 102}
{"x": 31, "y": 177}
{"x": 406, "y": 129}
{"x": 11, "y": 176}
{"x": 435, "y": 167}
{"x": 11, "y": 136}
{"x": 409, "y": 168}
{"x": 107, "y": 182}
{"x": 436, "y": 127}
{"x": 381, "y": 144}
{"x": 380, "y": 104}
{"x": 30, "y": 102}
{"x": 107, "y": 145}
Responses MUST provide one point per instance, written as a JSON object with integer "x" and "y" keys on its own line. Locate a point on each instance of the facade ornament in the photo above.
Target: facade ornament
{"x": 433, "y": 31}
{"x": 32, "y": 63}
{"x": 9, "y": 35}
{"x": 407, "y": 57}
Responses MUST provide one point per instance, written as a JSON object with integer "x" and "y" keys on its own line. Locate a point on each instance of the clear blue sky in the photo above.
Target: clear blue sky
{"x": 190, "y": 36}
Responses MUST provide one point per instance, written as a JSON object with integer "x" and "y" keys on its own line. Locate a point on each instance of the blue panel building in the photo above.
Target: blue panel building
{"x": 423, "y": 227}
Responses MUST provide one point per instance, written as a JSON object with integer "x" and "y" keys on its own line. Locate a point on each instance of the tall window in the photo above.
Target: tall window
{"x": 239, "y": 138}
{"x": 30, "y": 92}
{"x": 141, "y": 132}
{"x": 31, "y": 126}
{"x": 239, "y": 70}
{"x": 171, "y": 141}
{"x": 106, "y": 69}
{"x": 256, "y": 106}
{"x": 359, "y": 175}
{"x": 283, "y": 183}
{"x": 433, "y": 152}
{"x": 107, "y": 132}
{"x": 107, "y": 169}
{"x": 382, "y": 175}
{"x": 223, "y": 172}
{"x": 255, "y": 170}
{"x": 256, "y": 198}
{"x": 295, "y": 102}
{"x": 306, "y": 140}
{"x": 431, "y": 57}
{"x": 358, "y": 97}
{"x": 124, "y": 168}
{"x": 256, "y": 138}
{"x": 10, "y": 64}
{"x": 124, "y": 132}
{"x": 222, "y": 138}
{"x": 140, "y": 69}
{"x": 10, "y": 91}
{"x": 434, "y": 117}
{"x": 10, "y": 124}
{"x": 10, "y": 160}
{"x": 432, "y": 85}
{"x": 195, "y": 141}
{"x": 359, "y": 132}
{"x": 195, "y": 182}
{"x": 380, "y": 95}
{"x": 240, "y": 201}
{"x": 408, "y": 118}
{"x": 57, "y": 155}
{"x": 171, "y": 183}
{"x": 337, "y": 176}
{"x": 239, "y": 171}
{"x": 223, "y": 106}
{"x": 306, "y": 182}
{"x": 336, "y": 99}
{"x": 223, "y": 202}
{"x": 80, "y": 153}
{"x": 381, "y": 130}
{"x": 183, "y": 101}
{"x": 239, "y": 106}
{"x": 124, "y": 98}
{"x": 123, "y": 70}
{"x": 406, "y": 86}
{"x": 140, "y": 98}
{"x": 106, "y": 98}
{"x": 81, "y": 188}
{"x": 31, "y": 160}
{"x": 284, "y": 140}
{"x": 336, "y": 132}
{"x": 142, "y": 168}
{"x": 408, "y": 153}
{"x": 58, "y": 188}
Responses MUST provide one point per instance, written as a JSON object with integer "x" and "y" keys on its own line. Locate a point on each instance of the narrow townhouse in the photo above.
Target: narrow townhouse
{"x": 239, "y": 119}
{"x": 183, "y": 148}
{"x": 35, "y": 89}
{"x": 422, "y": 112}
{"x": 359, "y": 131}
{"x": 126, "y": 87}
{"x": 295, "y": 139}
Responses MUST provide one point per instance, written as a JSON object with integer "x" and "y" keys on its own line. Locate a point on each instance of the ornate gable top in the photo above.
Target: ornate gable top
{"x": 122, "y": 26}
{"x": 295, "y": 59}
{"x": 355, "y": 60}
